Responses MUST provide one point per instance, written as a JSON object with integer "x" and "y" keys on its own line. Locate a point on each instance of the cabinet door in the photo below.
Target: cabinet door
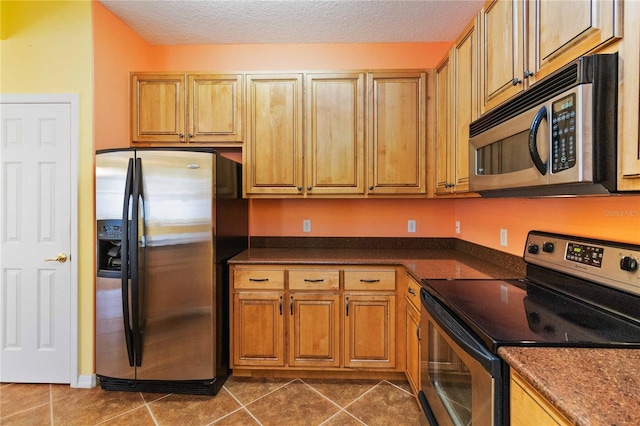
{"x": 397, "y": 133}
{"x": 528, "y": 407}
{"x": 214, "y": 108}
{"x": 465, "y": 104}
{"x": 334, "y": 145}
{"x": 443, "y": 128}
{"x": 369, "y": 330}
{"x": 413, "y": 347}
{"x": 157, "y": 108}
{"x": 560, "y": 31}
{"x": 314, "y": 330}
{"x": 273, "y": 155}
{"x": 258, "y": 335}
{"x": 502, "y": 52}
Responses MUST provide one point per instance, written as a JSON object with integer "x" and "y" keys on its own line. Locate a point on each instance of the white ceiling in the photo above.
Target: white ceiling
{"x": 176, "y": 22}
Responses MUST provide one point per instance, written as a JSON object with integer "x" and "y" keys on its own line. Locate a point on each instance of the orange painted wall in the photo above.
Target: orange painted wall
{"x": 610, "y": 217}
{"x": 352, "y": 217}
{"x": 117, "y": 50}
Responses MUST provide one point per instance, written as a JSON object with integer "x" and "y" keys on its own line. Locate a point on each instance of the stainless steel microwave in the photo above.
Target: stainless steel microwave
{"x": 557, "y": 138}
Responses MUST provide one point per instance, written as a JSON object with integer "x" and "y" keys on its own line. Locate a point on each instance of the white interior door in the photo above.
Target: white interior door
{"x": 36, "y": 259}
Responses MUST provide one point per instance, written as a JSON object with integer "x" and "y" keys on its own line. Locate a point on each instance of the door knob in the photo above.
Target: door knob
{"x": 62, "y": 257}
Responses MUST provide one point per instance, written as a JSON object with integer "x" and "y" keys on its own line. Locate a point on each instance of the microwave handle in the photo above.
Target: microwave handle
{"x": 533, "y": 136}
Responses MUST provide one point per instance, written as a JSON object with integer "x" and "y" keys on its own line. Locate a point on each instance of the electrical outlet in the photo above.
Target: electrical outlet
{"x": 503, "y": 237}
{"x": 411, "y": 225}
{"x": 457, "y": 227}
{"x": 306, "y": 225}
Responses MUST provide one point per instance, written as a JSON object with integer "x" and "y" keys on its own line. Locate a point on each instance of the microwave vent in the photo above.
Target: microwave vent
{"x": 580, "y": 71}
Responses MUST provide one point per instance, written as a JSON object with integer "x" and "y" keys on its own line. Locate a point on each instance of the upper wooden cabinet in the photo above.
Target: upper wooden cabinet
{"x": 457, "y": 107}
{"x": 320, "y": 150}
{"x": 191, "y": 108}
{"x": 334, "y": 134}
{"x": 526, "y": 40}
{"x": 397, "y": 133}
{"x": 273, "y": 151}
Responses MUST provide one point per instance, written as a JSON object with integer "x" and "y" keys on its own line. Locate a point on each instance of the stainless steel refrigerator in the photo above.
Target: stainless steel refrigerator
{"x": 167, "y": 221}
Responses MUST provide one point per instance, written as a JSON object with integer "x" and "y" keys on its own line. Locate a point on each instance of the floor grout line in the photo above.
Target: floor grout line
{"x": 242, "y": 406}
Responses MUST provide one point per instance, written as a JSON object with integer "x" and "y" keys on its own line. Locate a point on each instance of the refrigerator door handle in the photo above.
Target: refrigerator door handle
{"x": 124, "y": 253}
{"x": 137, "y": 275}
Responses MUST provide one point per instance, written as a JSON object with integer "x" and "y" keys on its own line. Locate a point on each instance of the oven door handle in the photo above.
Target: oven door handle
{"x": 467, "y": 341}
{"x": 533, "y": 139}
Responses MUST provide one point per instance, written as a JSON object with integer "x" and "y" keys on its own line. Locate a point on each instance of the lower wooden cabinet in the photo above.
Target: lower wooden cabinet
{"x": 529, "y": 407}
{"x": 369, "y": 330}
{"x": 310, "y": 317}
{"x": 413, "y": 308}
{"x": 258, "y": 328}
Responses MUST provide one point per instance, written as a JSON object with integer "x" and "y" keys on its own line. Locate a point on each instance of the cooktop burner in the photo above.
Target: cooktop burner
{"x": 578, "y": 293}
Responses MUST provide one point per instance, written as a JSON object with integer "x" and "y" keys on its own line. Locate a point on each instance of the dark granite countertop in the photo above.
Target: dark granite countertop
{"x": 588, "y": 386}
{"x": 435, "y": 259}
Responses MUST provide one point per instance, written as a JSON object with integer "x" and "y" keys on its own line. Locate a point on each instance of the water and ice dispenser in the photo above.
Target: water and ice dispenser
{"x": 109, "y": 240}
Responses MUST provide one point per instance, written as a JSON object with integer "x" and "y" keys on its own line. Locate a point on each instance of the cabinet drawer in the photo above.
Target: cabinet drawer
{"x": 370, "y": 279}
{"x": 413, "y": 293}
{"x": 313, "y": 279}
{"x": 259, "y": 279}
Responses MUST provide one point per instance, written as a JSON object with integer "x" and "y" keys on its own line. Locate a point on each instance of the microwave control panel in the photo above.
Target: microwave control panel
{"x": 563, "y": 133}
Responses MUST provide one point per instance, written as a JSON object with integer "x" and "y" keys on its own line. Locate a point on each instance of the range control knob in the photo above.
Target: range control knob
{"x": 533, "y": 248}
{"x": 548, "y": 247}
{"x": 628, "y": 263}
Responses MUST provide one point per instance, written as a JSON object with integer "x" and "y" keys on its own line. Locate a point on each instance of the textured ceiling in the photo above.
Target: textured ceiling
{"x": 176, "y": 22}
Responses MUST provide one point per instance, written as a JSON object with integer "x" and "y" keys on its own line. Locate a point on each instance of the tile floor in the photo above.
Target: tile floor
{"x": 241, "y": 401}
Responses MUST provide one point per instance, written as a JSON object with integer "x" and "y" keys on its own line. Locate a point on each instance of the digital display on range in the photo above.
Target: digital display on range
{"x": 587, "y": 255}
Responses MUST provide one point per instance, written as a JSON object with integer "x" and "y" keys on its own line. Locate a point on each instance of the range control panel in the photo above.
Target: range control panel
{"x": 610, "y": 263}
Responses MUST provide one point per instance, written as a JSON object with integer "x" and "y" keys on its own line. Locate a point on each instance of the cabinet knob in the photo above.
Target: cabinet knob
{"x": 181, "y": 136}
{"x": 308, "y": 188}
{"x": 299, "y": 188}
{"x": 371, "y": 188}
{"x": 527, "y": 74}
{"x": 189, "y": 135}
{"x": 516, "y": 81}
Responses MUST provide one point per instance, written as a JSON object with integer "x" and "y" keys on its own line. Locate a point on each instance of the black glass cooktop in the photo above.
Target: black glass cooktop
{"x": 522, "y": 313}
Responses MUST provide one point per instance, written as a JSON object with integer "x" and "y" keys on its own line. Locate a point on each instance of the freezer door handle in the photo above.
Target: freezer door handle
{"x": 124, "y": 269}
{"x": 137, "y": 263}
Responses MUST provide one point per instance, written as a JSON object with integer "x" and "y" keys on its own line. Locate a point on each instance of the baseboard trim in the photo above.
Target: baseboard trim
{"x": 86, "y": 381}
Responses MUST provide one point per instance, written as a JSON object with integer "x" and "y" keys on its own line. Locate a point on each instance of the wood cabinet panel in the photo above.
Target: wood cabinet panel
{"x": 314, "y": 329}
{"x": 413, "y": 346}
{"x": 273, "y": 155}
{"x": 370, "y": 279}
{"x": 258, "y": 279}
{"x": 314, "y": 279}
{"x": 334, "y": 128}
{"x": 397, "y": 135}
{"x": 215, "y": 105}
{"x": 369, "y": 333}
{"x": 157, "y": 108}
{"x": 502, "y": 60}
{"x": 529, "y": 408}
{"x": 258, "y": 328}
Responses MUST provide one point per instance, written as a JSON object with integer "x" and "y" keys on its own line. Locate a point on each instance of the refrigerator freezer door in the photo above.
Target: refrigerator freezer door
{"x": 112, "y": 358}
{"x": 178, "y": 293}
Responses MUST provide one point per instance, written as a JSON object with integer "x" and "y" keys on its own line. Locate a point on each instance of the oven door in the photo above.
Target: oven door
{"x": 462, "y": 382}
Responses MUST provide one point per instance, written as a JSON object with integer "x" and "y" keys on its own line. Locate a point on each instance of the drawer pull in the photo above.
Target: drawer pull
{"x": 369, "y": 281}
{"x": 280, "y": 305}
{"x": 411, "y": 291}
{"x": 258, "y": 280}
{"x": 291, "y": 304}
{"x": 309, "y": 280}
{"x": 347, "y": 306}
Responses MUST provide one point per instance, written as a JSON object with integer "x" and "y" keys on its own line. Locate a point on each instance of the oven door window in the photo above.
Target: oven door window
{"x": 450, "y": 378}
